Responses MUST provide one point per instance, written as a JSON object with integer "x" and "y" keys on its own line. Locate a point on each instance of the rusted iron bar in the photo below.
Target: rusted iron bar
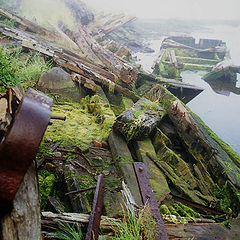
{"x": 163, "y": 198}
{"x": 196, "y": 205}
{"x": 55, "y": 158}
{"x": 59, "y": 118}
{"x": 148, "y": 198}
{"x": 81, "y": 190}
{"x": 95, "y": 217}
{"x": 21, "y": 143}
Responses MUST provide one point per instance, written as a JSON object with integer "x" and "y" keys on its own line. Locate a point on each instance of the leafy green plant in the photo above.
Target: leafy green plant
{"x": 69, "y": 232}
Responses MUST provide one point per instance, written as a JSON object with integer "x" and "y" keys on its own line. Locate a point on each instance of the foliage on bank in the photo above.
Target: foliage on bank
{"x": 19, "y": 68}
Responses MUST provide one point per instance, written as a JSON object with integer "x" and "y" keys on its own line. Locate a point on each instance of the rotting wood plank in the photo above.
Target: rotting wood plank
{"x": 149, "y": 198}
{"x": 50, "y": 219}
{"x": 95, "y": 217}
{"x": 24, "y": 221}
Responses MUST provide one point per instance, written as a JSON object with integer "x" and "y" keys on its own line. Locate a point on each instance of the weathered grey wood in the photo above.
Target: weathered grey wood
{"x": 53, "y": 218}
{"x": 207, "y": 231}
{"x": 25, "y": 24}
{"x": 23, "y": 223}
{"x": 79, "y": 202}
{"x": 203, "y": 148}
{"x": 124, "y": 161}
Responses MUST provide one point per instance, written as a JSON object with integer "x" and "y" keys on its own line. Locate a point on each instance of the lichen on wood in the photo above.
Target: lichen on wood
{"x": 137, "y": 123}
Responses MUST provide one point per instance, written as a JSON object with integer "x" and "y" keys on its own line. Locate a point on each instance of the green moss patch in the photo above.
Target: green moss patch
{"x": 46, "y": 182}
{"x": 86, "y": 121}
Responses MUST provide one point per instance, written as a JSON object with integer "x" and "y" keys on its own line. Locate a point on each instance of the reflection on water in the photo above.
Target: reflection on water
{"x": 224, "y": 86}
{"x": 220, "y": 112}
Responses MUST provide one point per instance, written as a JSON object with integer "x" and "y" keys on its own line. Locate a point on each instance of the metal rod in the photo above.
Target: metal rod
{"x": 95, "y": 217}
{"x": 59, "y": 117}
{"x": 81, "y": 190}
{"x": 149, "y": 198}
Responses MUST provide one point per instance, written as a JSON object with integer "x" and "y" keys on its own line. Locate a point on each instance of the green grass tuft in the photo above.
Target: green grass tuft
{"x": 136, "y": 228}
{"x": 15, "y": 68}
{"x": 69, "y": 232}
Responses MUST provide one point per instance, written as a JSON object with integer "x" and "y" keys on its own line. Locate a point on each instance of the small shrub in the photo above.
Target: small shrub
{"x": 33, "y": 68}
{"x": 10, "y": 23}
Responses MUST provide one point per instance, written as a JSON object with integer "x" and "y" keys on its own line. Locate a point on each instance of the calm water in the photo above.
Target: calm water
{"x": 217, "y": 105}
{"x": 146, "y": 59}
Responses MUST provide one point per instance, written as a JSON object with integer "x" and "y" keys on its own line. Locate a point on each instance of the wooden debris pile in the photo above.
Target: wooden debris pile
{"x": 166, "y": 157}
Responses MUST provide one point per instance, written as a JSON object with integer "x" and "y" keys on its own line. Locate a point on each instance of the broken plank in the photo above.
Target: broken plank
{"x": 122, "y": 156}
{"x": 157, "y": 179}
{"x": 23, "y": 222}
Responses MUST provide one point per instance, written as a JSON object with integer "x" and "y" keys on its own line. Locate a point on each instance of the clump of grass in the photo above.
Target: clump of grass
{"x": 33, "y": 68}
{"x": 136, "y": 228}
{"x": 69, "y": 232}
{"x": 9, "y": 66}
{"x": 15, "y": 70}
{"x": 10, "y": 23}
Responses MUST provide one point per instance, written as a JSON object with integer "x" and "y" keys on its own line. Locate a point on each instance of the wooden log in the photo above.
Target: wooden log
{"x": 203, "y": 148}
{"x": 88, "y": 73}
{"x": 50, "y": 219}
{"x": 198, "y": 231}
{"x": 23, "y": 222}
{"x": 26, "y": 24}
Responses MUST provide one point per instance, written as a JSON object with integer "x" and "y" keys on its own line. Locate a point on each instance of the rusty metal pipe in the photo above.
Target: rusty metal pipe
{"x": 59, "y": 118}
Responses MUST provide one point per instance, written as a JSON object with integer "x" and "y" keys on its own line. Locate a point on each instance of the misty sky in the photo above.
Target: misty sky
{"x": 188, "y": 9}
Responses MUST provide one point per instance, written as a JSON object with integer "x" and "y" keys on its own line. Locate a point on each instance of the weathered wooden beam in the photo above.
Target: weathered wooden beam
{"x": 50, "y": 219}
{"x": 203, "y": 148}
{"x": 24, "y": 221}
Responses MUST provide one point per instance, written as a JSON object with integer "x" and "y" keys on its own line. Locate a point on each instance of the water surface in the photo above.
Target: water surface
{"x": 218, "y": 104}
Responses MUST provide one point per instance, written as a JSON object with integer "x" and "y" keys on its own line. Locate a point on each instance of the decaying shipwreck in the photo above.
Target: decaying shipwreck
{"x": 180, "y": 52}
{"x": 114, "y": 140}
